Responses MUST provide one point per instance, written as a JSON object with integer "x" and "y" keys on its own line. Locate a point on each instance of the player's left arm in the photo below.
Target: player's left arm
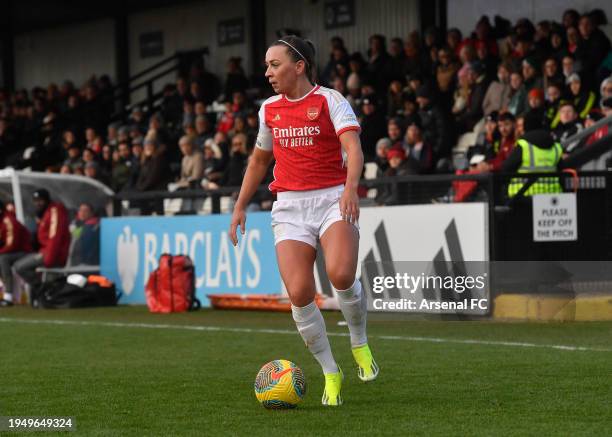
{"x": 349, "y": 202}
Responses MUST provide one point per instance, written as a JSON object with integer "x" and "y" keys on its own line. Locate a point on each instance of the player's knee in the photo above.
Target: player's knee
{"x": 300, "y": 295}
{"x": 301, "y": 300}
{"x": 342, "y": 279}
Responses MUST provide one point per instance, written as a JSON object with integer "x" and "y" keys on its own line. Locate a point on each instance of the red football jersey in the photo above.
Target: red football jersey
{"x": 303, "y": 135}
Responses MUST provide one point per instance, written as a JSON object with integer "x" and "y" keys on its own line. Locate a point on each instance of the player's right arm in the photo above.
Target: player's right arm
{"x": 259, "y": 162}
{"x": 256, "y": 171}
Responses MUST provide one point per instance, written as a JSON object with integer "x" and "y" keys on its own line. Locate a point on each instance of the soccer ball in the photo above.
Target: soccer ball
{"x": 280, "y": 384}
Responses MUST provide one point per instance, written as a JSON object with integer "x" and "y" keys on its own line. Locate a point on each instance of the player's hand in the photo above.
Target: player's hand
{"x": 349, "y": 206}
{"x": 238, "y": 219}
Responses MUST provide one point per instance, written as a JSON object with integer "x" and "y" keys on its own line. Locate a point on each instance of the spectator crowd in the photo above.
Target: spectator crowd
{"x": 414, "y": 98}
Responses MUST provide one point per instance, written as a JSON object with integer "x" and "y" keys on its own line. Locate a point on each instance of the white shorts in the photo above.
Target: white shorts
{"x": 306, "y": 215}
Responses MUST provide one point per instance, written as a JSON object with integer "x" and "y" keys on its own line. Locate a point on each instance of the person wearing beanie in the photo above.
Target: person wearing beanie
{"x": 399, "y": 165}
{"x": 536, "y": 110}
{"x": 382, "y": 147}
{"x": 436, "y": 123}
{"x": 582, "y": 98}
{"x": 605, "y": 90}
{"x": 531, "y": 74}
{"x": 52, "y": 238}
{"x": 14, "y": 244}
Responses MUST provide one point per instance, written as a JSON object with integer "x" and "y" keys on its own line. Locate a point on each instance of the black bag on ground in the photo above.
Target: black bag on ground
{"x": 60, "y": 294}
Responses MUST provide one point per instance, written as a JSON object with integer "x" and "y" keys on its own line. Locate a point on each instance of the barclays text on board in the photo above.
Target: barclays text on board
{"x": 131, "y": 248}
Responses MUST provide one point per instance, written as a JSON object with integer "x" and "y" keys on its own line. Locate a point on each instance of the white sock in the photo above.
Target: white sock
{"x": 354, "y": 306}
{"x": 311, "y": 327}
{"x": 8, "y": 297}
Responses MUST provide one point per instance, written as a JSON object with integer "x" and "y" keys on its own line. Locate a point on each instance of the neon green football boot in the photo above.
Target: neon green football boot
{"x": 368, "y": 369}
{"x": 333, "y": 387}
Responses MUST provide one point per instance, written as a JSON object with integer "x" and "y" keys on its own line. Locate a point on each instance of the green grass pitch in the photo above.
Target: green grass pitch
{"x": 128, "y": 372}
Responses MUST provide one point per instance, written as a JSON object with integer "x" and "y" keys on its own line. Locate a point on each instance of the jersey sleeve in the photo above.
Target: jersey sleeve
{"x": 341, "y": 113}
{"x": 264, "y": 136}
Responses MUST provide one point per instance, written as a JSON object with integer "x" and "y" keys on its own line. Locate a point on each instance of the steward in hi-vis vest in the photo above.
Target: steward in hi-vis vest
{"x": 535, "y": 152}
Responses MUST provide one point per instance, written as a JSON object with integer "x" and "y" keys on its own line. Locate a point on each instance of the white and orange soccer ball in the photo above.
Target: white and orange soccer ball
{"x": 280, "y": 384}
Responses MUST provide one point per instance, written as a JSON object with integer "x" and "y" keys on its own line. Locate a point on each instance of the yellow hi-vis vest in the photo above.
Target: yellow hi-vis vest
{"x": 537, "y": 160}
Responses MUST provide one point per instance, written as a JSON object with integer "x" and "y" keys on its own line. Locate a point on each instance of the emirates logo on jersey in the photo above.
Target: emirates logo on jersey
{"x": 312, "y": 113}
{"x": 296, "y": 136}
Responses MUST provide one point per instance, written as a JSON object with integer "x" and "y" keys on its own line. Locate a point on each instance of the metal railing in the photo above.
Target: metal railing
{"x": 510, "y": 217}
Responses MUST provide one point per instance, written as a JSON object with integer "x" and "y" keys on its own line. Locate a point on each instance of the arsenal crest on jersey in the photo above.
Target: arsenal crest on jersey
{"x": 312, "y": 113}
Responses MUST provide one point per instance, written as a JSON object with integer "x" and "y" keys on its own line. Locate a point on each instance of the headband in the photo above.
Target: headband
{"x": 296, "y": 50}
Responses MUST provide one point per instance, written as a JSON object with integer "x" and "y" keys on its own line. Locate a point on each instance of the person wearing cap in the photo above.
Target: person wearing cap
{"x": 535, "y": 152}
{"x": 464, "y": 190}
{"x": 373, "y": 127}
{"x": 438, "y": 129}
{"x": 582, "y": 98}
{"x": 15, "y": 242}
{"x": 489, "y": 139}
{"x": 52, "y": 238}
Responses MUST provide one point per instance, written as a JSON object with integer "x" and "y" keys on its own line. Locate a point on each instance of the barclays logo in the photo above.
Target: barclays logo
{"x": 131, "y": 247}
{"x": 127, "y": 259}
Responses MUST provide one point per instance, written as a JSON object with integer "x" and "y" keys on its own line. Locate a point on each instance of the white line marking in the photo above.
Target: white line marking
{"x": 291, "y": 332}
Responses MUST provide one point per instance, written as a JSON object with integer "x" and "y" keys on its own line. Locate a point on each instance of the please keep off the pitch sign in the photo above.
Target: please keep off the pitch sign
{"x": 554, "y": 217}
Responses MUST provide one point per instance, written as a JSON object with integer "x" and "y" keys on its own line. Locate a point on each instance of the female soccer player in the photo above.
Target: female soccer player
{"x": 305, "y": 127}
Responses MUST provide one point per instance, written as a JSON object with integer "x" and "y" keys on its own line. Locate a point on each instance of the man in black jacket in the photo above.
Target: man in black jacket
{"x": 373, "y": 127}
{"x": 438, "y": 130}
{"x": 592, "y": 49}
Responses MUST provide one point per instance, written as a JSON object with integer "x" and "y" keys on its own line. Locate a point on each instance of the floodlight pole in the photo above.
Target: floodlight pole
{"x": 17, "y": 200}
